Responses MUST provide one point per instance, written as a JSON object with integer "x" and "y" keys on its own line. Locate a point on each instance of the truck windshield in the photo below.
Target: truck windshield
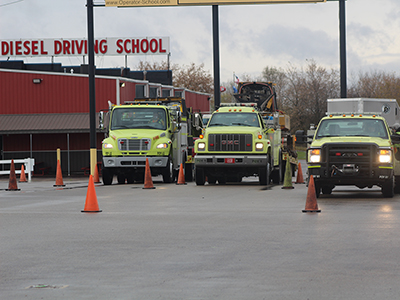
{"x": 234, "y": 119}
{"x": 137, "y": 117}
{"x": 354, "y": 127}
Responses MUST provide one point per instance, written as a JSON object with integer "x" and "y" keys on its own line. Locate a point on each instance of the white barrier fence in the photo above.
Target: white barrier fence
{"x": 28, "y": 166}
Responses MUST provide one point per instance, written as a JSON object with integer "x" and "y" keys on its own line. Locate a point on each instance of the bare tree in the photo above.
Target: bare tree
{"x": 376, "y": 84}
{"x": 302, "y": 92}
{"x": 191, "y": 76}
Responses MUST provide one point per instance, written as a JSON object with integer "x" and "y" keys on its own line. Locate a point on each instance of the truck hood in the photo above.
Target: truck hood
{"x": 136, "y": 133}
{"x": 352, "y": 139}
{"x": 233, "y": 129}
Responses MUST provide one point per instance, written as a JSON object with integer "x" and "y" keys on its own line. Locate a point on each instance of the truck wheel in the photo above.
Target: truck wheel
{"x": 327, "y": 190}
{"x": 317, "y": 189}
{"x": 264, "y": 173}
{"x": 200, "y": 178}
{"x": 130, "y": 178}
{"x": 107, "y": 176}
{"x": 121, "y": 178}
{"x": 188, "y": 172}
{"x": 168, "y": 173}
{"x": 277, "y": 175}
{"x": 388, "y": 188}
{"x": 211, "y": 179}
{"x": 397, "y": 184}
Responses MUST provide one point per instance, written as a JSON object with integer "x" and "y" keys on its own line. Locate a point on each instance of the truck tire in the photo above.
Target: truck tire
{"x": 188, "y": 172}
{"x": 317, "y": 189}
{"x": 200, "y": 178}
{"x": 211, "y": 179}
{"x": 264, "y": 173}
{"x": 107, "y": 176}
{"x": 388, "y": 188}
{"x": 397, "y": 184}
{"x": 168, "y": 172}
{"x": 121, "y": 178}
{"x": 130, "y": 178}
{"x": 277, "y": 174}
{"x": 327, "y": 190}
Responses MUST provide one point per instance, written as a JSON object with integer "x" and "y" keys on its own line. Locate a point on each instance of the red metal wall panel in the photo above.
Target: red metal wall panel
{"x": 199, "y": 102}
{"x": 127, "y": 92}
{"x": 57, "y": 93}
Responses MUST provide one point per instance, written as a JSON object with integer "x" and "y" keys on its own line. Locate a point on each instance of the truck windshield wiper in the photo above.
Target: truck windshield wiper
{"x": 328, "y": 135}
{"x": 120, "y": 127}
{"x": 242, "y": 124}
{"x": 218, "y": 124}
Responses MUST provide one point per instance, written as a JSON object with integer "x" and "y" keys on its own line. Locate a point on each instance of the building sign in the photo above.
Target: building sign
{"x": 78, "y": 47}
{"x": 137, "y": 3}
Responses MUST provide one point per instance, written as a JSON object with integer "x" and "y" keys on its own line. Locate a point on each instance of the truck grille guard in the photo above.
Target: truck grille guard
{"x": 344, "y": 159}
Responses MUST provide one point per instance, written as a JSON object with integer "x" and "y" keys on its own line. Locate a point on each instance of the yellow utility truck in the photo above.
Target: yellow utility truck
{"x": 355, "y": 145}
{"x": 246, "y": 138}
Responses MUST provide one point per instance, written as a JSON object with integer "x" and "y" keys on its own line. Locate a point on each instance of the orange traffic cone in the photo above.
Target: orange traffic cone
{"x": 96, "y": 175}
{"x": 311, "y": 202}
{"x": 299, "y": 178}
{"x": 148, "y": 182}
{"x": 12, "y": 184}
{"x": 22, "y": 177}
{"x": 91, "y": 204}
{"x": 181, "y": 176}
{"x": 59, "y": 179}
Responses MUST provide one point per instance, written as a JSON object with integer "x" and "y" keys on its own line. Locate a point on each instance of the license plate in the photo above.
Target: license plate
{"x": 229, "y": 160}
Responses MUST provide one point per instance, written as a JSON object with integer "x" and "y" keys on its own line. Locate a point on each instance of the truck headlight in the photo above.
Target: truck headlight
{"x": 314, "y": 155}
{"x": 162, "y": 146}
{"x": 259, "y": 146}
{"x": 385, "y": 156}
{"x": 108, "y": 146}
{"x": 201, "y": 146}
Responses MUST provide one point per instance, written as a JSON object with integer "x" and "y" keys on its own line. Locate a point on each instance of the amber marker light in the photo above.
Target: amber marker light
{"x": 259, "y": 136}
{"x": 201, "y": 136}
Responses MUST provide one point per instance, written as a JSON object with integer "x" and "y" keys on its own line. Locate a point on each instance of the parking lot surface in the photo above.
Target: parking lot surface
{"x": 234, "y": 241}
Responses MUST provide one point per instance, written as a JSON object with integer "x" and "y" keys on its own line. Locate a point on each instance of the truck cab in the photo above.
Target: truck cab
{"x": 352, "y": 149}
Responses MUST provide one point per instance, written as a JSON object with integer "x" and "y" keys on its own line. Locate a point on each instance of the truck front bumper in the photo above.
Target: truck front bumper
{"x": 350, "y": 175}
{"x": 230, "y": 160}
{"x": 135, "y": 161}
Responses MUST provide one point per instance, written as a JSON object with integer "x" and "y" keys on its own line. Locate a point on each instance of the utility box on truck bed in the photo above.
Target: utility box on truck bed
{"x": 387, "y": 108}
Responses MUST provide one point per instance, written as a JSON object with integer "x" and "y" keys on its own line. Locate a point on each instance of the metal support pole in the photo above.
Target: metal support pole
{"x": 343, "y": 64}
{"x": 217, "y": 92}
{"x": 92, "y": 89}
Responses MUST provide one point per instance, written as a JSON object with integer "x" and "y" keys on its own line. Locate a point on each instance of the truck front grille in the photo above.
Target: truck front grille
{"x": 230, "y": 142}
{"x": 134, "y": 144}
{"x": 362, "y": 156}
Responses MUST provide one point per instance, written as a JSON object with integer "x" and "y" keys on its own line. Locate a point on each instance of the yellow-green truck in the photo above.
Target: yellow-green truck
{"x": 160, "y": 130}
{"x": 355, "y": 145}
{"x": 244, "y": 139}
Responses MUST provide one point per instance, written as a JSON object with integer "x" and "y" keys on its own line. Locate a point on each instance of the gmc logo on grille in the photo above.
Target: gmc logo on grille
{"x": 225, "y": 142}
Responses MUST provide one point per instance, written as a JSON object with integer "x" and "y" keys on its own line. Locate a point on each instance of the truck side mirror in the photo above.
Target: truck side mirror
{"x": 101, "y": 120}
{"x": 395, "y": 138}
{"x": 198, "y": 123}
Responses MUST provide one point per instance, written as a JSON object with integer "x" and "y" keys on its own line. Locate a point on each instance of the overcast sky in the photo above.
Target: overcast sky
{"x": 251, "y": 36}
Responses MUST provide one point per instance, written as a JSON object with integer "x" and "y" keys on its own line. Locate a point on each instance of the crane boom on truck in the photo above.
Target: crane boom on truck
{"x": 245, "y": 139}
{"x": 160, "y": 130}
{"x": 354, "y": 145}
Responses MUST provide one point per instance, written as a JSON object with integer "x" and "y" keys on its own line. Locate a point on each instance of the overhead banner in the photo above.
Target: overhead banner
{"x": 138, "y": 3}
{"x": 77, "y": 47}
